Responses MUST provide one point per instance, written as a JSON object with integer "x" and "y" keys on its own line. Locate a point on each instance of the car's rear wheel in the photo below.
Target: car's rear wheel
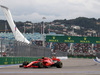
{"x": 59, "y": 64}
{"x": 40, "y": 65}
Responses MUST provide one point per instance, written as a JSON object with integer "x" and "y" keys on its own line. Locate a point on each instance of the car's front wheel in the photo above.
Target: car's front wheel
{"x": 24, "y": 64}
{"x": 59, "y": 64}
{"x": 40, "y": 65}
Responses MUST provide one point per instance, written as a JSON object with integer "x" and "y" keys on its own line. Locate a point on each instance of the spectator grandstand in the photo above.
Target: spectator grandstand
{"x": 36, "y": 39}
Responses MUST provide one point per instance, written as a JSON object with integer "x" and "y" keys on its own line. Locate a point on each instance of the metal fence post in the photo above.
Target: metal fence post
{"x": 1, "y": 47}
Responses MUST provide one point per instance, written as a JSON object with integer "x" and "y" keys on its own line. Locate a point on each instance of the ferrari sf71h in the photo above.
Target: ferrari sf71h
{"x": 43, "y": 62}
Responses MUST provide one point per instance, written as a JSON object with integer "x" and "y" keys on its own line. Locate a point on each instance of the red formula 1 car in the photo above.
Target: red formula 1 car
{"x": 44, "y": 62}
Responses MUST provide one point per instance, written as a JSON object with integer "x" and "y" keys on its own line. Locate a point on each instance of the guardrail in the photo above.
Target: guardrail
{"x": 16, "y": 60}
{"x": 80, "y": 56}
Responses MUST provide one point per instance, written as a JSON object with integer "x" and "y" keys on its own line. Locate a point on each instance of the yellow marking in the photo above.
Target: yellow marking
{"x": 69, "y": 41}
{"x": 11, "y": 62}
{"x": 69, "y": 38}
{"x": 6, "y": 59}
{"x": 5, "y": 62}
{"x": 84, "y": 38}
{"x": 97, "y": 41}
{"x": 53, "y": 37}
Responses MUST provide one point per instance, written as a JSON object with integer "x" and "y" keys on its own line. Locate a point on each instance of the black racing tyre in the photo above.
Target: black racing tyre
{"x": 20, "y": 65}
{"x": 40, "y": 65}
{"x": 59, "y": 64}
{"x": 46, "y": 66}
{"x": 25, "y": 63}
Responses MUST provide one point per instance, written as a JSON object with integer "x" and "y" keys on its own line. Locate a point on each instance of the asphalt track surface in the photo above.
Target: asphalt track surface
{"x": 71, "y": 66}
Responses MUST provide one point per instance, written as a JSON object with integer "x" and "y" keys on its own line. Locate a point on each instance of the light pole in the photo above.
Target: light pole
{"x": 5, "y": 29}
{"x": 33, "y": 27}
{"x": 41, "y": 28}
{"x": 71, "y": 44}
{"x": 49, "y": 28}
{"x": 24, "y": 28}
{"x": 43, "y": 34}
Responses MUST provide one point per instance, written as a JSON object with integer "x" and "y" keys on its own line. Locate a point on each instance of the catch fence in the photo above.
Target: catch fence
{"x": 18, "y": 49}
{"x": 15, "y": 48}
